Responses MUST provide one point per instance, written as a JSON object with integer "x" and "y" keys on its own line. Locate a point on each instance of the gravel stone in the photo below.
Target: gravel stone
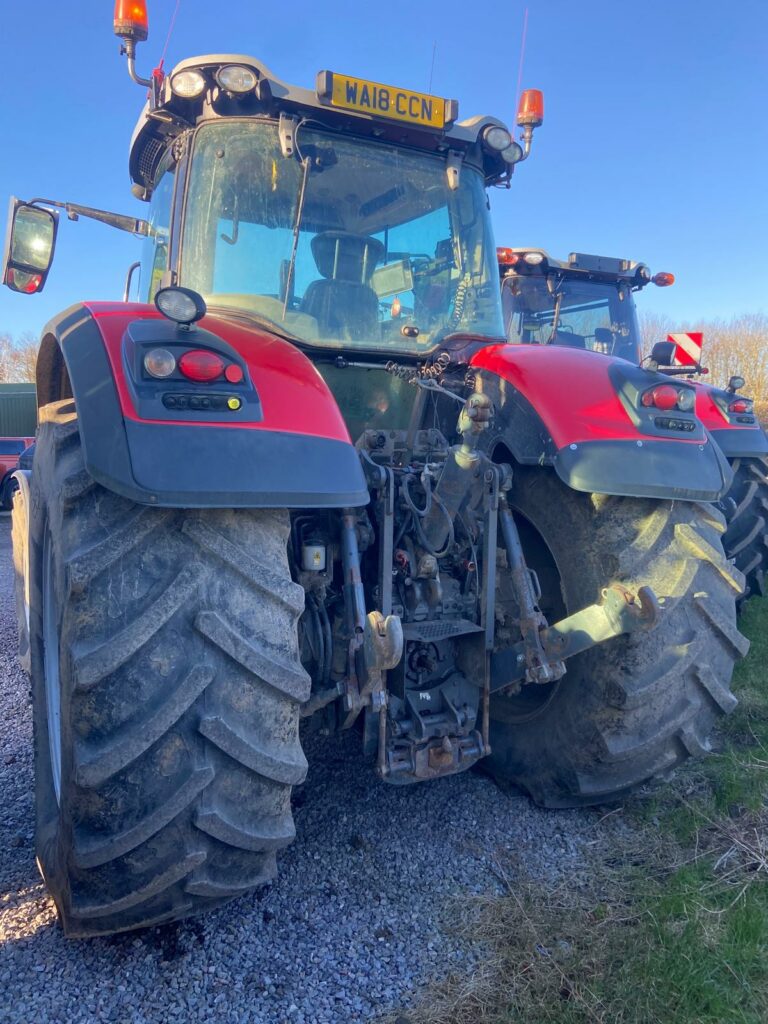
{"x": 354, "y": 925}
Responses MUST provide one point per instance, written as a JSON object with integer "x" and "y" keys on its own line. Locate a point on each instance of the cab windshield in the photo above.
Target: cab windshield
{"x": 370, "y": 249}
{"x": 594, "y": 315}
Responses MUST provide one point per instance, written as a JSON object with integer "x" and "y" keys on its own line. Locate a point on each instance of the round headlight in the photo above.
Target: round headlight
{"x": 512, "y": 154}
{"x": 180, "y": 304}
{"x": 159, "y": 362}
{"x": 234, "y": 78}
{"x": 496, "y": 138}
{"x": 686, "y": 399}
{"x": 188, "y": 84}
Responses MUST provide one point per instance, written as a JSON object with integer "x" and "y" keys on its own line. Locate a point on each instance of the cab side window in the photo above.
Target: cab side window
{"x": 154, "y": 254}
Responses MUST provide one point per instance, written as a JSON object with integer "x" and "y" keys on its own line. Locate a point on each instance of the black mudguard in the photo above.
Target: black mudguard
{"x": 176, "y": 466}
{"x": 648, "y": 469}
{"x": 741, "y": 444}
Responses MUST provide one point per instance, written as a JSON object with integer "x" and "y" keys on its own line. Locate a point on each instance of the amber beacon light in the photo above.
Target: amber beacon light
{"x": 530, "y": 115}
{"x": 530, "y": 110}
{"x": 130, "y": 21}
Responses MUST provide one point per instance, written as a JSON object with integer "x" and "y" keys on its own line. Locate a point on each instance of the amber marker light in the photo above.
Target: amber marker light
{"x": 663, "y": 279}
{"x": 130, "y": 20}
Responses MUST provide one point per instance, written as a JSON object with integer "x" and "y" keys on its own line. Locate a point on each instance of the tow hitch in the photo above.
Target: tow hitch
{"x": 619, "y": 611}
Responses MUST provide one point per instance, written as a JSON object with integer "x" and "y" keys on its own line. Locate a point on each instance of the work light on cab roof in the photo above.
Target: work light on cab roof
{"x": 226, "y": 85}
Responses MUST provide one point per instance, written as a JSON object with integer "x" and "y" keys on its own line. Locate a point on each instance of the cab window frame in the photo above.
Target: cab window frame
{"x": 168, "y": 165}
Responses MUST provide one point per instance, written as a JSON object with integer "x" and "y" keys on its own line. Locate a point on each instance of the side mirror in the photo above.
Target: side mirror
{"x": 663, "y": 353}
{"x": 29, "y": 245}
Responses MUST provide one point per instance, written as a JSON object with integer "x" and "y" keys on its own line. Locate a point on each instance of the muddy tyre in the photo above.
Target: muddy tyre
{"x": 166, "y": 687}
{"x": 20, "y": 546}
{"x": 639, "y": 705}
{"x": 746, "y": 537}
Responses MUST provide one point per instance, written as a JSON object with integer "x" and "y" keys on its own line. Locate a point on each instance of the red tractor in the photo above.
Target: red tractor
{"x": 588, "y": 303}
{"x": 305, "y": 476}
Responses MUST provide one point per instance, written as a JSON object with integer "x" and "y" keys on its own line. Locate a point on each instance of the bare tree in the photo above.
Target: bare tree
{"x": 653, "y": 327}
{"x": 18, "y": 358}
{"x": 736, "y": 346}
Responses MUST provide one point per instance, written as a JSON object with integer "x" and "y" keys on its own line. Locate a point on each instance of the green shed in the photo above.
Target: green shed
{"x": 18, "y": 410}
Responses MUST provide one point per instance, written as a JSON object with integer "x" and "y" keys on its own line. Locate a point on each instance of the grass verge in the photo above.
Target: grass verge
{"x": 672, "y": 928}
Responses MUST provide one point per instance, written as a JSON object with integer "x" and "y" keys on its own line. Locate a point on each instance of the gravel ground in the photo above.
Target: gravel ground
{"x": 352, "y": 927}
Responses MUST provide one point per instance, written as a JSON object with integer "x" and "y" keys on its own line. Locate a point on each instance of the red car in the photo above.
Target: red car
{"x": 10, "y": 450}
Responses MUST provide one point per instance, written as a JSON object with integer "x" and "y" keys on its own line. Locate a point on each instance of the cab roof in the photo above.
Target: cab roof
{"x": 168, "y": 117}
{"x": 579, "y": 264}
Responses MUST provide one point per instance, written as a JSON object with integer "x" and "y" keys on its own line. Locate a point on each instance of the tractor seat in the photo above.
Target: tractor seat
{"x": 343, "y": 302}
{"x": 569, "y": 340}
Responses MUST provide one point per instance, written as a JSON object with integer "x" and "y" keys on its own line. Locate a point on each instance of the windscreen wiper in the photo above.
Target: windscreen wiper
{"x": 306, "y": 162}
{"x": 556, "y": 316}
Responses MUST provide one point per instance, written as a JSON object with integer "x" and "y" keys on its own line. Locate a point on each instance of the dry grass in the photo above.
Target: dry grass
{"x": 672, "y": 927}
{"x": 656, "y": 932}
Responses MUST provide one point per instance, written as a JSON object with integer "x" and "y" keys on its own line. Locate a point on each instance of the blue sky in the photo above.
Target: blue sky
{"x": 654, "y": 146}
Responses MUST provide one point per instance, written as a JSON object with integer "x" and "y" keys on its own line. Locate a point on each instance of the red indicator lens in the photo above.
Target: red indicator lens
{"x": 740, "y": 405}
{"x": 200, "y": 365}
{"x": 663, "y": 397}
{"x": 233, "y": 373}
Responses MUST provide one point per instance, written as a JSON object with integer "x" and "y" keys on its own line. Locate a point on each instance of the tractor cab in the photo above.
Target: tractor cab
{"x": 348, "y": 243}
{"x": 351, "y": 220}
{"x": 350, "y": 216}
{"x": 585, "y": 303}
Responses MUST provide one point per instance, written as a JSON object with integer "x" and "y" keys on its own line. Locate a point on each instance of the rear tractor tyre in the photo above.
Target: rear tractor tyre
{"x": 746, "y": 537}
{"x": 637, "y": 706}
{"x": 166, "y": 687}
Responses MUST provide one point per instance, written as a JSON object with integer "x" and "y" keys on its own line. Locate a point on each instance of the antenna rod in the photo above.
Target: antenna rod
{"x": 522, "y": 58}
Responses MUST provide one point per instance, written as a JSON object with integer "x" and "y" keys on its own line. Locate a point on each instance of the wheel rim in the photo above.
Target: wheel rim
{"x": 51, "y": 666}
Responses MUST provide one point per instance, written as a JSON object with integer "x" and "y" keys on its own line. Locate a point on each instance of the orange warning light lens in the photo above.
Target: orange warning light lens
{"x": 530, "y": 109}
{"x": 130, "y": 21}
{"x": 506, "y": 257}
{"x": 663, "y": 279}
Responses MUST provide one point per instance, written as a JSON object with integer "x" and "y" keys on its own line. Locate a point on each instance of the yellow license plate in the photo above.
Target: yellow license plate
{"x": 378, "y": 100}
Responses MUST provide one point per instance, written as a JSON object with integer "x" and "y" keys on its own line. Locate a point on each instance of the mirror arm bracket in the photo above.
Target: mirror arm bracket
{"x": 132, "y": 225}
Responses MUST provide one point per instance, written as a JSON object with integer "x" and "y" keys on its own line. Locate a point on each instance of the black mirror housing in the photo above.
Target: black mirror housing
{"x": 663, "y": 353}
{"x": 30, "y": 241}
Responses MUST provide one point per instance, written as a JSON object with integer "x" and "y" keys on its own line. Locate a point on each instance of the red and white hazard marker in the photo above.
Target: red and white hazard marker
{"x": 687, "y": 347}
